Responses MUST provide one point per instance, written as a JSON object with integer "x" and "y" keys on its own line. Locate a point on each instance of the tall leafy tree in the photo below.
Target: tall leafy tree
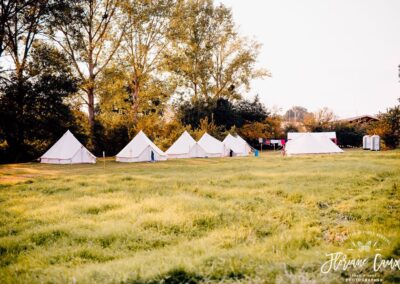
{"x": 388, "y": 126}
{"x": 8, "y": 10}
{"x": 209, "y": 57}
{"x": 143, "y": 48}
{"x": 22, "y": 21}
{"x": 319, "y": 121}
{"x": 222, "y": 111}
{"x": 33, "y": 109}
{"x": 87, "y": 31}
{"x": 348, "y": 135}
{"x": 296, "y": 114}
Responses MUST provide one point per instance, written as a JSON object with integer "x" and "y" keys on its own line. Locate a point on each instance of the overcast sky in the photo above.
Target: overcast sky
{"x": 342, "y": 54}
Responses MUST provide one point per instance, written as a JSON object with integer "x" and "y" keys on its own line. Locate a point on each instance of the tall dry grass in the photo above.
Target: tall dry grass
{"x": 267, "y": 219}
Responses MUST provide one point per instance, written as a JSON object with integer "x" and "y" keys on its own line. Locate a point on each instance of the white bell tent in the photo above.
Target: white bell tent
{"x": 181, "y": 147}
{"x": 235, "y": 145}
{"x": 212, "y": 146}
{"x": 185, "y": 147}
{"x": 140, "y": 149}
{"x": 67, "y": 150}
{"x": 245, "y": 145}
{"x": 197, "y": 151}
{"x": 311, "y": 144}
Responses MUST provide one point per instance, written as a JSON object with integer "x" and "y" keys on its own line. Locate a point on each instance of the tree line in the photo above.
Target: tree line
{"x": 105, "y": 68}
{"x": 349, "y": 134}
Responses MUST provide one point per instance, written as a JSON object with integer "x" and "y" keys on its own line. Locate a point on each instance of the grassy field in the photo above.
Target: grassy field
{"x": 268, "y": 219}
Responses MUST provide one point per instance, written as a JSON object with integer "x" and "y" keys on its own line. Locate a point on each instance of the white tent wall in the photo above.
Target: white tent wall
{"x": 214, "y": 155}
{"x": 310, "y": 144}
{"x": 235, "y": 145}
{"x": 181, "y": 147}
{"x": 295, "y": 135}
{"x": 60, "y": 161}
{"x": 83, "y": 156}
{"x": 144, "y": 156}
{"x": 212, "y": 146}
{"x": 139, "y": 150}
{"x": 247, "y": 149}
{"x": 67, "y": 150}
{"x": 197, "y": 152}
{"x": 84, "y": 159}
{"x": 231, "y": 144}
{"x": 179, "y": 156}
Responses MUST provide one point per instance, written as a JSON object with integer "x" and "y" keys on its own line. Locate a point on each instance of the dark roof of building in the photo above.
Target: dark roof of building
{"x": 359, "y": 118}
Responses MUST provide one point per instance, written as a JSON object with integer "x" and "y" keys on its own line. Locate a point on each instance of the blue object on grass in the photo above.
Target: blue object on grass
{"x": 256, "y": 153}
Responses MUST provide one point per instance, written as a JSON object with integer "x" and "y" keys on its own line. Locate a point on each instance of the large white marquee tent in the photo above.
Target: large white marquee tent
{"x": 185, "y": 147}
{"x": 311, "y": 144}
{"x": 295, "y": 135}
{"x": 212, "y": 146}
{"x": 140, "y": 149}
{"x": 67, "y": 150}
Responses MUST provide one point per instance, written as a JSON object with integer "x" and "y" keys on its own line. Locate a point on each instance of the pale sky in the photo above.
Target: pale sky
{"x": 342, "y": 54}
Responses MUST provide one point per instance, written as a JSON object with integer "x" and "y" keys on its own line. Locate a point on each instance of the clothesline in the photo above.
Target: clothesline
{"x": 274, "y": 141}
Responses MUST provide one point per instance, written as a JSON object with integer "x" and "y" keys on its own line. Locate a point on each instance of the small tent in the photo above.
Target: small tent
{"x": 185, "y": 147}
{"x": 67, "y": 150}
{"x": 140, "y": 149}
{"x": 311, "y": 144}
{"x": 212, "y": 146}
{"x": 234, "y": 146}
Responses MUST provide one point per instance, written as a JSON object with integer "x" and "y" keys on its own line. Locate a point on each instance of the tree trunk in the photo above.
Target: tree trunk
{"x": 91, "y": 87}
{"x": 135, "y": 98}
{"x": 20, "y": 126}
{"x": 90, "y": 93}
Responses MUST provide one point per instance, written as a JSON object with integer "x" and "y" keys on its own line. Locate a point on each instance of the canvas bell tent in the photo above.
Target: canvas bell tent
{"x": 185, "y": 147}
{"x": 235, "y": 146}
{"x": 68, "y": 150}
{"x": 213, "y": 147}
{"x": 247, "y": 148}
{"x": 311, "y": 144}
{"x": 197, "y": 151}
{"x": 140, "y": 149}
{"x": 329, "y": 135}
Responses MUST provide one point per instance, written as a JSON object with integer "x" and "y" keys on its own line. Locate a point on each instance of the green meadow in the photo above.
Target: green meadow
{"x": 270, "y": 219}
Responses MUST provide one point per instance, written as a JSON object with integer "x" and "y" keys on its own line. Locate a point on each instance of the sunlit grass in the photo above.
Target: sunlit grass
{"x": 267, "y": 219}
